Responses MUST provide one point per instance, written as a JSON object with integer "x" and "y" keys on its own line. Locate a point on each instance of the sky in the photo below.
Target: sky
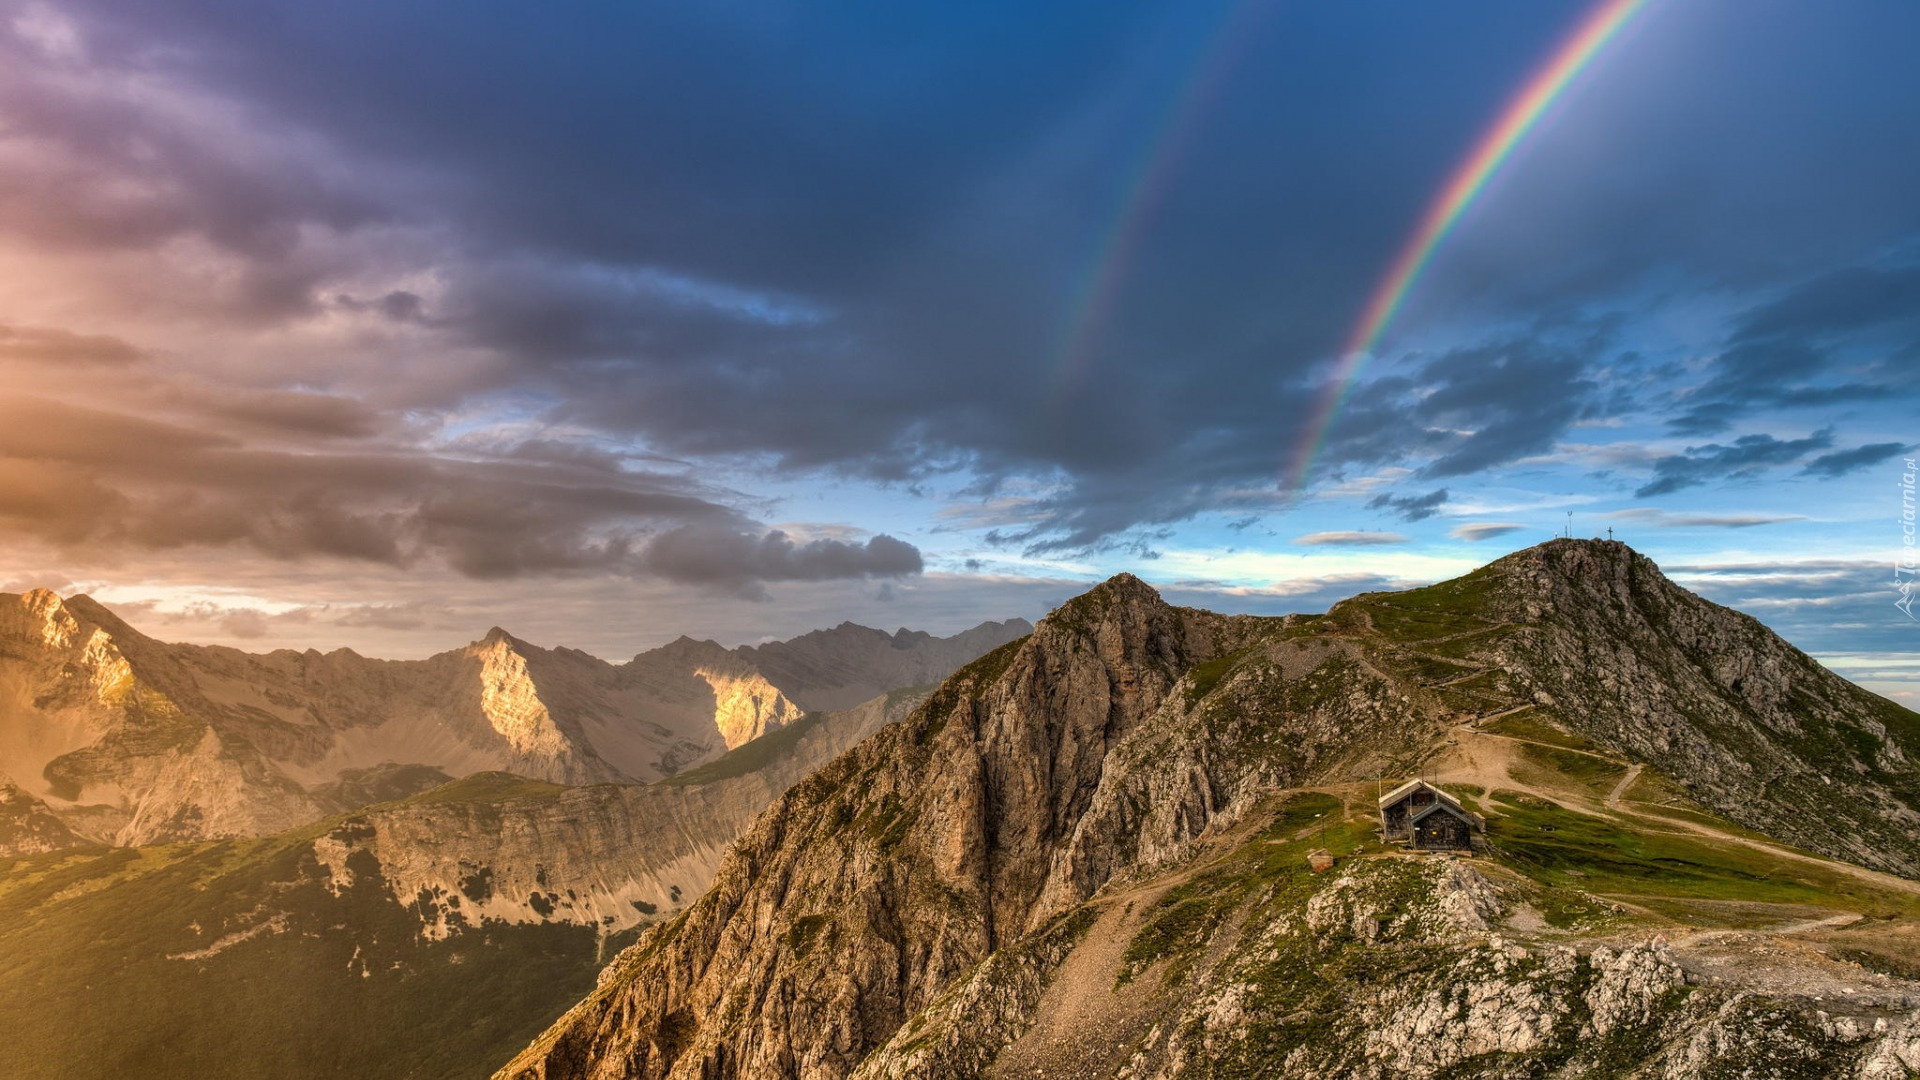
{"x": 374, "y": 324}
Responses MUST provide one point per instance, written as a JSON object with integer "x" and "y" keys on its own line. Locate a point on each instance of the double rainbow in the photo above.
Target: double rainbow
{"x": 1092, "y": 308}
{"x": 1522, "y": 113}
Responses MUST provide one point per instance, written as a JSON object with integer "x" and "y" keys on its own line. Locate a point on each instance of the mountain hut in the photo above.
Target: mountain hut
{"x": 1428, "y": 819}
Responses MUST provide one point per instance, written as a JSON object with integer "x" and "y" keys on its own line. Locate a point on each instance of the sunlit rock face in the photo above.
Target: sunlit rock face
{"x": 511, "y": 704}
{"x": 746, "y": 707}
{"x": 129, "y": 740}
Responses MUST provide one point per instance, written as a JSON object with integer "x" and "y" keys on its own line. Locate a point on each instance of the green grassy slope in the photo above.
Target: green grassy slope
{"x": 111, "y": 965}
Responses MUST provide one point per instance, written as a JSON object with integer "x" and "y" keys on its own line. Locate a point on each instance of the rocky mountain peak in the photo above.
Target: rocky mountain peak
{"x": 1564, "y": 570}
{"x": 685, "y": 649}
{"x": 1119, "y": 591}
{"x": 42, "y": 618}
{"x": 1125, "y": 616}
{"x": 86, "y": 609}
{"x": 1126, "y": 585}
{"x": 41, "y": 600}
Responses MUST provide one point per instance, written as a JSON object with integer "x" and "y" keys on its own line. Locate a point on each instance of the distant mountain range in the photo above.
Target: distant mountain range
{"x": 109, "y": 736}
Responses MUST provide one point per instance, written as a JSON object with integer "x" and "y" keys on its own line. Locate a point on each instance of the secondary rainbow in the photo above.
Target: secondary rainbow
{"x": 1601, "y": 25}
{"x": 1092, "y": 307}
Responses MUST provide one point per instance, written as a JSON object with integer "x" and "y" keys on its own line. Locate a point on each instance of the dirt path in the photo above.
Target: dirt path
{"x": 1619, "y": 789}
{"x": 1677, "y": 826}
{"x": 1486, "y": 759}
{"x": 1803, "y": 926}
{"x": 1490, "y": 627}
{"x": 1498, "y": 713}
{"x": 1087, "y": 1026}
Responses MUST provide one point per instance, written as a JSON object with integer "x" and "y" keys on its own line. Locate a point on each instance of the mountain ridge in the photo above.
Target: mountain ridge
{"x": 902, "y": 911}
{"x": 131, "y": 740}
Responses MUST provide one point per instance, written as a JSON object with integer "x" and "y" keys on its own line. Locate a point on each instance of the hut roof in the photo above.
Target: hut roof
{"x": 1412, "y": 786}
{"x": 1451, "y": 807}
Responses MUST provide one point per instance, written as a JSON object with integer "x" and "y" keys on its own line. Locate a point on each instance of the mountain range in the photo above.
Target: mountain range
{"x": 1142, "y": 843}
{"x": 109, "y": 736}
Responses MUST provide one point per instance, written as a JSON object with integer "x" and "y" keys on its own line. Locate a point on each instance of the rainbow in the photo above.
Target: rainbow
{"x": 1113, "y": 257}
{"x": 1601, "y": 25}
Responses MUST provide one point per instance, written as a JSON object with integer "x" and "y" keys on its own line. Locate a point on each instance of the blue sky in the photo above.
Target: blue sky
{"x": 376, "y": 324}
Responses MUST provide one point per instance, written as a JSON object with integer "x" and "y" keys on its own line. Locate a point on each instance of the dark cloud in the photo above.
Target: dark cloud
{"x": 90, "y": 476}
{"x": 1843, "y": 302}
{"x": 878, "y": 269}
{"x": 1411, "y": 507}
{"x": 1515, "y": 399}
{"x": 1742, "y": 459}
{"x": 402, "y": 616}
{"x": 398, "y": 305}
{"x": 1793, "y": 352}
{"x": 91, "y": 122}
{"x": 1473, "y": 409}
{"x": 1842, "y": 462}
{"x": 283, "y": 412}
{"x": 740, "y": 561}
{"x": 1772, "y": 375}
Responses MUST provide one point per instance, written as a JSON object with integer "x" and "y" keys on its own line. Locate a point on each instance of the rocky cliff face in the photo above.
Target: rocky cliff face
{"x": 907, "y": 910}
{"x": 128, "y": 740}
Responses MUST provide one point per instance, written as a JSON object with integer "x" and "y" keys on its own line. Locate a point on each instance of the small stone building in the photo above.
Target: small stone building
{"x": 1428, "y": 819}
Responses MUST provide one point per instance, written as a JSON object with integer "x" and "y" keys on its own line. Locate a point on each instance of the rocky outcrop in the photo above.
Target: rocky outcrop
{"x": 132, "y": 740}
{"x": 28, "y": 827}
{"x": 1294, "y": 997}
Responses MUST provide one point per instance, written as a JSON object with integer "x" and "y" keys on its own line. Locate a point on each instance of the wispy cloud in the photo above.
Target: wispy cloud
{"x": 1483, "y": 530}
{"x": 1665, "y": 519}
{"x": 1349, "y": 539}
